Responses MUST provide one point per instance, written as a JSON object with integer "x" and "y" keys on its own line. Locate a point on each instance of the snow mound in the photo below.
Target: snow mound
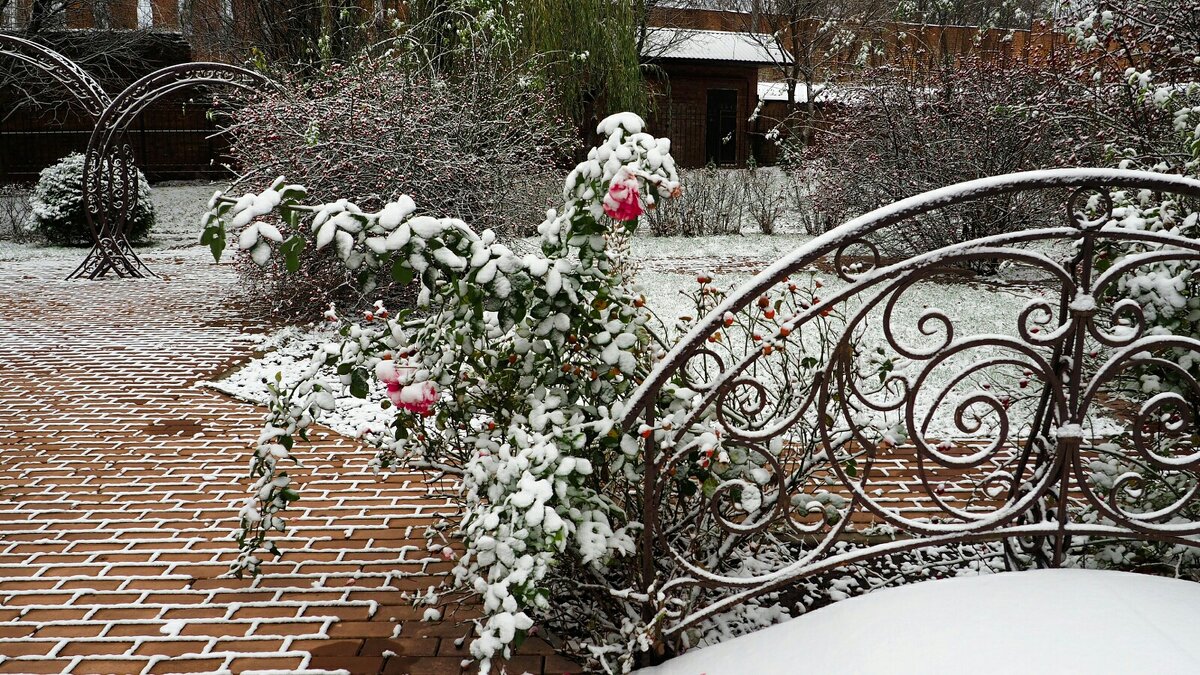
{"x": 1044, "y": 621}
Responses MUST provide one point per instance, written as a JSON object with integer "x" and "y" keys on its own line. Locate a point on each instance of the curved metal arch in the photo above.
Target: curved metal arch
{"x": 111, "y": 126}
{"x": 107, "y": 157}
{"x": 66, "y": 72}
{"x": 1029, "y": 473}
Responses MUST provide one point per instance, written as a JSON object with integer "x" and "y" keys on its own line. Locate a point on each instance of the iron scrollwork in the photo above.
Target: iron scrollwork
{"x": 985, "y": 437}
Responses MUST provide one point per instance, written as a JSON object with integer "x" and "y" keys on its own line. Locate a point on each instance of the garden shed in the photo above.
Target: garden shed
{"x": 705, "y": 85}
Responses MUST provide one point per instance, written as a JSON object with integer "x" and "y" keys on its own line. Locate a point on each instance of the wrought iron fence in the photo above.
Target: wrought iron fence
{"x": 839, "y": 431}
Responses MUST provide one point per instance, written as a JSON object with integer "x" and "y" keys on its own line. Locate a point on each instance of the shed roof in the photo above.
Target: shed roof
{"x": 713, "y": 45}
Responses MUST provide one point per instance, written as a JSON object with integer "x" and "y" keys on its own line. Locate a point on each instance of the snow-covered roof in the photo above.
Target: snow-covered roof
{"x": 713, "y": 45}
{"x": 778, "y": 91}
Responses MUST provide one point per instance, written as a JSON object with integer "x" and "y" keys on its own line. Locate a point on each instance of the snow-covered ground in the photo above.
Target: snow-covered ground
{"x": 1040, "y": 621}
{"x": 178, "y": 207}
{"x": 287, "y": 351}
{"x": 669, "y": 265}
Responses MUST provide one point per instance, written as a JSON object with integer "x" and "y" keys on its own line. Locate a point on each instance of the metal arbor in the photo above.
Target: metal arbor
{"x": 837, "y": 459}
{"x": 110, "y": 174}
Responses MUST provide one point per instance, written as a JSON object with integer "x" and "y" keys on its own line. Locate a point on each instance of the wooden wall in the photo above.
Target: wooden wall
{"x": 902, "y": 44}
{"x": 171, "y": 140}
{"x": 681, "y": 106}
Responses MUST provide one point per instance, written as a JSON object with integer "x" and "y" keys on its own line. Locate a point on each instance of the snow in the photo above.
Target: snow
{"x": 1048, "y": 621}
{"x": 178, "y": 207}
{"x": 288, "y": 351}
{"x": 1083, "y": 303}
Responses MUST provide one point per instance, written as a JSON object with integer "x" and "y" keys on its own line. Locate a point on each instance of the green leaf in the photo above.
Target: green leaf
{"x": 401, "y": 273}
{"x": 291, "y": 217}
{"x": 358, "y": 385}
{"x": 214, "y": 237}
{"x": 851, "y": 467}
{"x": 291, "y": 253}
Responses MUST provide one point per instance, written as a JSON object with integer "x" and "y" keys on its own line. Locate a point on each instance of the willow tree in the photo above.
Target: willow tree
{"x": 588, "y": 50}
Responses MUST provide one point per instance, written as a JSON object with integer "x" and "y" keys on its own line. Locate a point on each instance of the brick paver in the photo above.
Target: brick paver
{"x": 120, "y": 480}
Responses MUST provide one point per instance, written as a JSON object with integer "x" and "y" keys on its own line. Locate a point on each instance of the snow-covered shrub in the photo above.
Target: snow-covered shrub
{"x": 1141, "y": 76}
{"x": 481, "y": 143}
{"x": 1137, "y": 75}
{"x": 927, "y": 129}
{"x": 511, "y": 374}
{"x": 57, "y": 211}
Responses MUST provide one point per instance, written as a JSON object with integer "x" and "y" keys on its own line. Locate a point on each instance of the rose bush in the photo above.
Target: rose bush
{"x": 509, "y": 373}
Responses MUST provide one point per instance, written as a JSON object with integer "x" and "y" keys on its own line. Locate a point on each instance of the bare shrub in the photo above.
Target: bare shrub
{"x": 924, "y": 130}
{"x": 15, "y": 211}
{"x": 766, "y": 201}
{"x": 481, "y": 144}
{"x": 722, "y": 201}
{"x": 711, "y": 204}
{"x": 799, "y": 186}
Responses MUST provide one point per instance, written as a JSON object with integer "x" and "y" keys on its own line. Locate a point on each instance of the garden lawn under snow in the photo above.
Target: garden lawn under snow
{"x": 177, "y": 208}
{"x": 668, "y": 266}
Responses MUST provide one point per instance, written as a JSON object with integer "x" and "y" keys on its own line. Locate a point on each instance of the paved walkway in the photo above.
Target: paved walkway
{"x": 119, "y": 484}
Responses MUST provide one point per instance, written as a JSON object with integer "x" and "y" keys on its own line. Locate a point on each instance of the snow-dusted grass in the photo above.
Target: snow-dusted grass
{"x": 178, "y": 207}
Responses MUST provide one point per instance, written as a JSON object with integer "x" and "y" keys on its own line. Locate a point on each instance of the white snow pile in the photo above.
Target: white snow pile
{"x": 1044, "y": 621}
{"x": 287, "y": 352}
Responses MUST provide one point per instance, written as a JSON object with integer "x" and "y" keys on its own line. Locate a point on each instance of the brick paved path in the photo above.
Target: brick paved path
{"x": 119, "y": 480}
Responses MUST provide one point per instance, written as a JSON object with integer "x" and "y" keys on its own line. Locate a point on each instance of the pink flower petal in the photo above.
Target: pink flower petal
{"x": 624, "y": 200}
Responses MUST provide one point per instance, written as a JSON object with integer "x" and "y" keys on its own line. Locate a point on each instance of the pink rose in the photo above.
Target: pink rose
{"x": 624, "y": 201}
{"x": 416, "y": 398}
